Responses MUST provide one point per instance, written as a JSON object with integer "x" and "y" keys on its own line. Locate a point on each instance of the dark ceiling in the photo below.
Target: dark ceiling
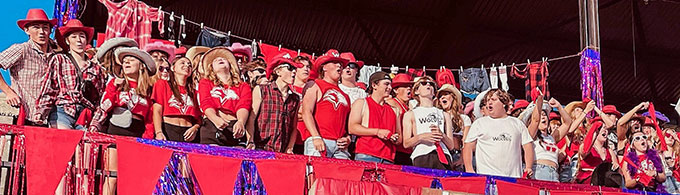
{"x": 451, "y": 33}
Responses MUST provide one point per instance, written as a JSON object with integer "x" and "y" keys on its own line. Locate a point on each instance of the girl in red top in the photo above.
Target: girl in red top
{"x": 176, "y": 113}
{"x": 127, "y": 100}
{"x": 224, "y": 99}
{"x": 594, "y": 151}
{"x": 643, "y": 169}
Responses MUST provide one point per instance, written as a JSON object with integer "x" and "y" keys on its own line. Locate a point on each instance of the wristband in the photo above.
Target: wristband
{"x": 316, "y": 137}
{"x": 157, "y": 132}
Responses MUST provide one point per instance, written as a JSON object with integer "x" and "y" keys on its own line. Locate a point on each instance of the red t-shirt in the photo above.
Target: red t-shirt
{"x": 225, "y": 99}
{"x": 644, "y": 165}
{"x": 381, "y": 117}
{"x": 331, "y": 112}
{"x": 300, "y": 125}
{"x": 590, "y": 162}
{"x": 162, "y": 94}
{"x": 139, "y": 106}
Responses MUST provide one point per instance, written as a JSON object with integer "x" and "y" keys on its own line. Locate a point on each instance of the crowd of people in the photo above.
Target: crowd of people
{"x": 228, "y": 96}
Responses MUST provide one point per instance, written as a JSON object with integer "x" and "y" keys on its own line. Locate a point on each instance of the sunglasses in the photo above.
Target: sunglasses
{"x": 430, "y": 83}
{"x": 641, "y": 137}
{"x": 261, "y": 70}
{"x": 288, "y": 66}
{"x": 668, "y": 158}
{"x": 668, "y": 134}
{"x": 353, "y": 66}
{"x": 164, "y": 68}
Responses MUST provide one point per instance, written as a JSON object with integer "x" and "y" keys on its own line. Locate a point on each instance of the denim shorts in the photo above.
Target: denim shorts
{"x": 59, "y": 117}
{"x": 473, "y": 80}
{"x": 671, "y": 183}
{"x": 545, "y": 173}
{"x": 331, "y": 151}
{"x": 369, "y": 158}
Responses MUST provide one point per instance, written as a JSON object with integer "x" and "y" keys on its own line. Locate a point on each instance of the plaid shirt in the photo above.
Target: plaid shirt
{"x": 132, "y": 19}
{"x": 276, "y": 118}
{"x": 538, "y": 77}
{"x": 27, "y": 66}
{"x": 63, "y": 87}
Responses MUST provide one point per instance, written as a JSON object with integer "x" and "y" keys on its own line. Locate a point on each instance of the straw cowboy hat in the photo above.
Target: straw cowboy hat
{"x": 162, "y": 47}
{"x": 576, "y": 104}
{"x": 195, "y": 51}
{"x": 112, "y": 43}
{"x": 350, "y": 57}
{"x": 71, "y": 26}
{"x": 139, "y": 54}
{"x": 216, "y": 52}
{"x": 330, "y": 56}
{"x": 451, "y": 89}
{"x": 36, "y": 15}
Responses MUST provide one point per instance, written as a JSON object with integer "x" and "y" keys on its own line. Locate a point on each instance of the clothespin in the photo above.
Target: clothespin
{"x": 181, "y": 22}
{"x": 228, "y": 33}
{"x": 528, "y": 62}
{"x": 298, "y": 52}
{"x": 160, "y": 8}
{"x": 405, "y": 70}
{"x": 501, "y": 64}
{"x": 260, "y": 41}
{"x": 493, "y": 65}
{"x": 279, "y": 47}
{"x": 313, "y": 55}
{"x": 201, "y": 25}
{"x": 424, "y": 69}
{"x": 172, "y": 16}
{"x": 378, "y": 64}
{"x": 461, "y": 68}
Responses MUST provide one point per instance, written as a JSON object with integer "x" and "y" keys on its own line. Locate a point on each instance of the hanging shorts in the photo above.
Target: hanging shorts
{"x": 473, "y": 80}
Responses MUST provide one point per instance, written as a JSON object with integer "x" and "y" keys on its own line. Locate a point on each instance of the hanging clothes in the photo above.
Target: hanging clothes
{"x": 591, "y": 77}
{"x": 211, "y": 39}
{"x": 503, "y": 75}
{"x": 414, "y": 73}
{"x": 445, "y": 76}
{"x": 536, "y": 76}
{"x": 65, "y": 10}
{"x": 473, "y": 80}
{"x": 132, "y": 19}
{"x": 493, "y": 77}
{"x": 366, "y": 72}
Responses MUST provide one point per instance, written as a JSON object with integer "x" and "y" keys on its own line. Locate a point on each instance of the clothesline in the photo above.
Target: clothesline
{"x": 206, "y": 27}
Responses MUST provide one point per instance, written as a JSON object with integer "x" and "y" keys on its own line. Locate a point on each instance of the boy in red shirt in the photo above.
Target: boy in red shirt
{"x": 324, "y": 110}
{"x": 375, "y": 123}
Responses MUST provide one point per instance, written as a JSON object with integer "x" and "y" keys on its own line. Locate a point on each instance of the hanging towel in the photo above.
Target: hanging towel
{"x": 473, "y": 80}
{"x": 536, "y": 76}
{"x": 366, "y": 72}
{"x": 493, "y": 77}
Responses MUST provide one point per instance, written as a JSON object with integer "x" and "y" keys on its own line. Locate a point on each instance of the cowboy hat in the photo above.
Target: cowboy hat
{"x": 114, "y": 42}
{"x": 36, "y": 15}
{"x": 573, "y": 105}
{"x": 181, "y": 51}
{"x": 659, "y": 116}
{"x": 477, "y": 111}
{"x": 350, "y": 57}
{"x": 402, "y": 80}
{"x": 281, "y": 58}
{"x": 611, "y": 109}
{"x": 330, "y": 56}
{"x": 241, "y": 50}
{"x": 168, "y": 49}
{"x": 451, "y": 89}
{"x": 139, "y": 54}
{"x": 553, "y": 116}
{"x": 519, "y": 104}
{"x": 195, "y": 51}
{"x": 216, "y": 52}
{"x": 71, "y": 26}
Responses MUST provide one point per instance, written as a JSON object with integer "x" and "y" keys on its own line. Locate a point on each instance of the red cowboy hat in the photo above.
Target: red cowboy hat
{"x": 611, "y": 109}
{"x": 519, "y": 104}
{"x": 349, "y": 56}
{"x": 181, "y": 51}
{"x": 402, "y": 80}
{"x": 553, "y": 116}
{"x": 36, "y": 15}
{"x": 281, "y": 58}
{"x": 71, "y": 26}
{"x": 164, "y": 46}
{"x": 648, "y": 122}
{"x": 330, "y": 56}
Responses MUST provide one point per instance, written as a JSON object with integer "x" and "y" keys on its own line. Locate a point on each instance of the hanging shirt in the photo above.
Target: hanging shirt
{"x": 536, "y": 76}
{"x": 380, "y": 117}
{"x": 132, "y": 19}
{"x": 354, "y": 93}
{"x": 225, "y": 99}
{"x": 162, "y": 94}
{"x": 331, "y": 112}
{"x": 366, "y": 72}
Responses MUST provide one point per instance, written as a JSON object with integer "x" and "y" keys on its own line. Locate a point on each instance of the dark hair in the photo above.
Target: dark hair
{"x": 299, "y": 59}
{"x": 502, "y": 96}
{"x": 188, "y": 85}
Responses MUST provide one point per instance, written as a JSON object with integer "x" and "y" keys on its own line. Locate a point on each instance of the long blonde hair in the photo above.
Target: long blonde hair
{"x": 233, "y": 79}
{"x": 144, "y": 81}
{"x": 109, "y": 63}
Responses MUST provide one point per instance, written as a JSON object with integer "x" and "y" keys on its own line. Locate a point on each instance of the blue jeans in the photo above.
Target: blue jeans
{"x": 332, "y": 150}
{"x": 545, "y": 173}
{"x": 58, "y": 117}
{"x": 369, "y": 158}
{"x": 671, "y": 184}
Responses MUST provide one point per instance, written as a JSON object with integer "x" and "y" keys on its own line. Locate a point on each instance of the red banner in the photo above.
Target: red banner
{"x": 474, "y": 185}
{"x": 337, "y": 171}
{"x": 139, "y": 166}
{"x": 48, "y": 152}
{"x": 326, "y": 186}
{"x": 507, "y": 188}
{"x": 282, "y": 176}
{"x": 407, "y": 179}
{"x": 215, "y": 174}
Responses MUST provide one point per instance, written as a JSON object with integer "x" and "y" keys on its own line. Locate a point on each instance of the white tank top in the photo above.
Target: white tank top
{"x": 546, "y": 149}
{"x": 424, "y": 117}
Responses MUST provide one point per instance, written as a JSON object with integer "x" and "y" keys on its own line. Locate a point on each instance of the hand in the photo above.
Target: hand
{"x": 239, "y": 129}
{"x": 250, "y": 145}
{"x": 435, "y": 128}
{"x": 651, "y": 173}
{"x": 37, "y": 117}
{"x": 554, "y": 103}
{"x": 190, "y": 134}
{"x": 394, "y": 138}
{"x": 383, "y": 134}
{"x": 529, "y": 172}
{"x": 12, "y": 99}
{"x": 343, "y": 142}
{"x": 319, "y": 145}
{"x": 160, "y": 136}
{"x": 118, "y": 81}
{"x": 615, "y": 166}
{"x": 590, "y": 106}
{"x": 289, "y": 150}
{"x": 644, "y": 105}
{"x": 430, "y": 138}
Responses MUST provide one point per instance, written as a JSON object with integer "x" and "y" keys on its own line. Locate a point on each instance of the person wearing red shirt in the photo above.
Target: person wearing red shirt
{"x": 324, "y": 110}
{"x": 224, "y": 99}
{"x": 273, "y": 118}
{"x": 594, "y": 151}
{"x": 176, "y": 114}
{"x": 401, "y": 94}
{"x": 375, "y": 123}
{"x": 301, "y": 79}
{"x": 643, "y": 169}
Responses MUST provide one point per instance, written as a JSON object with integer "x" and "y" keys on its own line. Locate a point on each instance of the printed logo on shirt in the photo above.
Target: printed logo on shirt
{"x": 131, "y": 99}
{"x": 173, "y": 102}
{"x": 334, "y": 97}
{"x": 550, "y": 147}
{"x": 223, "y": 94}
{"x": 505, "y": 137}
{"x": 431, "y": 118}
